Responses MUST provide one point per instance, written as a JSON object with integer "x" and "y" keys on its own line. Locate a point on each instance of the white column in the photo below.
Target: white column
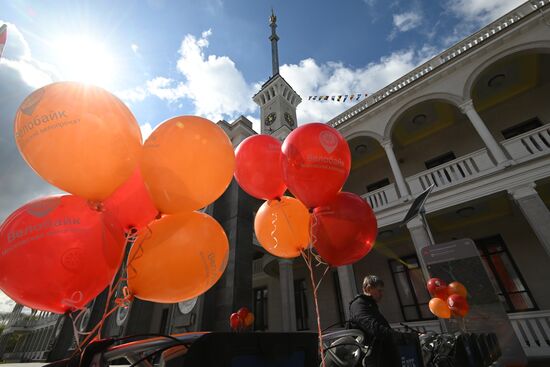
{"x": 496, "y": 151}
{"x": 421, "y": 239}
{"x": 535, "y": 211}
{"x": 288, "y": 308}
{"x": 348, "y": 286}
{"x": 401, "y": 184}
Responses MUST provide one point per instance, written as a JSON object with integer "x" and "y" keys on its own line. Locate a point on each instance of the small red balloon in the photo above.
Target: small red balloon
{"x": 235, "y": 321}
{"x": 258, "y": 167}
{"x": 437, "y": 288}
{"x": 57, "y": 253}
{"x": 344, "y": 230}
{"x": 131, "y": 203}
{"x": 458, "y": 305}
{"x": 316, "y": 162}
{"x": 243, "y": 312}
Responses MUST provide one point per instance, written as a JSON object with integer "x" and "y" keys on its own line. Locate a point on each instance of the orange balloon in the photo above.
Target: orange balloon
{"x": 457, "y": 288}
{"x": 439, "y": 308}
{"x": 282, "y": 227}
{"x": 79, "y": 138}
{"x": 187, "y": 163}
{"x": 249, "y": 320}
{"x": 178, "y": 258}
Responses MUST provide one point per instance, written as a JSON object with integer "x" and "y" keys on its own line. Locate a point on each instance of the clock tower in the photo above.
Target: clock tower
{"x": 276, "y": 98}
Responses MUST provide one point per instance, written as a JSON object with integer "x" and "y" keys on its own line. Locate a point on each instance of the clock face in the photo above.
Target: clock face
{"x": 289, "y": 119}
{"x": 270, "y": 119}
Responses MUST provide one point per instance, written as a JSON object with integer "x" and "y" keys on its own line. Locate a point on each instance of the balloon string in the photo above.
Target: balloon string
{"x": 139, "y": 251}
{"x": 113, "y": 288}
{"x": 307, "y": 258}
{"x": 274, "y": 222}
{"x": 75, "y": 332}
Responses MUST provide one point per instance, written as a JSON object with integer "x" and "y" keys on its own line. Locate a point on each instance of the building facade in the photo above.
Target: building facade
{"x": 474, "y": 121}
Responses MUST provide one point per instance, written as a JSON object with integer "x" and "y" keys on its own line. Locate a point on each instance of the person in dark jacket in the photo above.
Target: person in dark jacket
{"x": 365, "y": 316}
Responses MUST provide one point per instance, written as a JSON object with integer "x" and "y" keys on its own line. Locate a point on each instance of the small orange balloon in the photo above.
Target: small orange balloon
{"x": 439, "y": 308}
{"x": 457, "y": 288}
{"x": 187, "y": 163}
{"x": 249, "y": 320}
{"x": 177, "y": 258}
{"x": 282, "y": 227}
{"x": 78, "y": 137}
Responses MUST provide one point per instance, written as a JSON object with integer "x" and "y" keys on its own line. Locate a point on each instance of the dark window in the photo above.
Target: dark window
{"x": 378, "y": 185}
{"x": 504, "y": 274}
{"x": 439, "y": 160}
{"x": 521, "y": 128}
{"x": 164, "y": 322}
{"x": 300, "y": 301}
{"x": 411, "y": 290}
{"x": 260, "y": 308}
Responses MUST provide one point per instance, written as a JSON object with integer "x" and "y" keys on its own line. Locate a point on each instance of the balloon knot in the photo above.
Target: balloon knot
{"x": 96, "y": 205}
{"x": 126, "y": 299}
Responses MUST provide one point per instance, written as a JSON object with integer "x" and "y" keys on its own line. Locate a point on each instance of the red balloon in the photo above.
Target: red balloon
{"x": 235, "y": 321}
{"x": 131, "y": 203}
{"x": 258, "y": 167}
{"x": 316, "y": 161}
{"x": 458, "y": 305}
{"x": 344, "y": 230}
{"x": 437, "y": 288}
{"x": 57, "y": 254}
{"x": 243, "y": 312}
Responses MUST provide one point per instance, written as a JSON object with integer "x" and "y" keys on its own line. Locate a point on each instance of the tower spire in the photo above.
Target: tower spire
{"x": 274, "y": 38}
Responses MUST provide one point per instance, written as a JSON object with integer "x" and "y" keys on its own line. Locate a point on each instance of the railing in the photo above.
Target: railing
{"x": 533, "y": 332}
{"x": 532, "y": 329}
{"x": 530, "y": 144}
{"x": 451, "y": 173}
{"x": 422, "y": 326}
{"x": 382, "y": 197}
{"x": 458, "y": 49}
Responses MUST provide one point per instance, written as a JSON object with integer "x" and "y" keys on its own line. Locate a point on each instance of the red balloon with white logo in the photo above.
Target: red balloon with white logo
{"x": 57, "y": 253}
{"x": 316, "y": 162}
{"x": 437, "y": 288}
{"x": 258, "y": 167}
{"x": 344, "y": 230}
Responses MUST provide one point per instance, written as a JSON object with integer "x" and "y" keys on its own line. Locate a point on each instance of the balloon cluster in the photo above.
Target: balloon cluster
{"x": 447, "y": 300}
{"x": 241, "y": 320}
{"x": 313, "y": 163}
{"x": 58, "y": 253}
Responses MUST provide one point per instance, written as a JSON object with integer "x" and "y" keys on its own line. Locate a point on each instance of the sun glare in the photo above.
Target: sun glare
{"x": 85, "y": 60}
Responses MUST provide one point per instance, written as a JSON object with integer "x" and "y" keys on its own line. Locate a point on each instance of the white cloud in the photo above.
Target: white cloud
{"x": 167, "y": 89}
{"x": 146, "y": 130}
{"x": 406, "y": 21}
{"x": 137, "y": 94}
{"x": 213, "y": 83}
{"x": 6, "y": 303}
{"x": 482, "y": 11}
{"x": 135, "y": 48}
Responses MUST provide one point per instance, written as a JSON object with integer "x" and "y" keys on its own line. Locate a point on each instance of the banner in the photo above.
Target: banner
{"x": 339, "y": 98}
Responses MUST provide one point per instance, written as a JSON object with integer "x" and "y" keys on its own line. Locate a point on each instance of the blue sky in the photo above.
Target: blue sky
{"x": 209, "y": 57}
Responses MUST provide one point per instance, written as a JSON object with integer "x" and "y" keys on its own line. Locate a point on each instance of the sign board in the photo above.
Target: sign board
{"x": 460, "y": 261}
